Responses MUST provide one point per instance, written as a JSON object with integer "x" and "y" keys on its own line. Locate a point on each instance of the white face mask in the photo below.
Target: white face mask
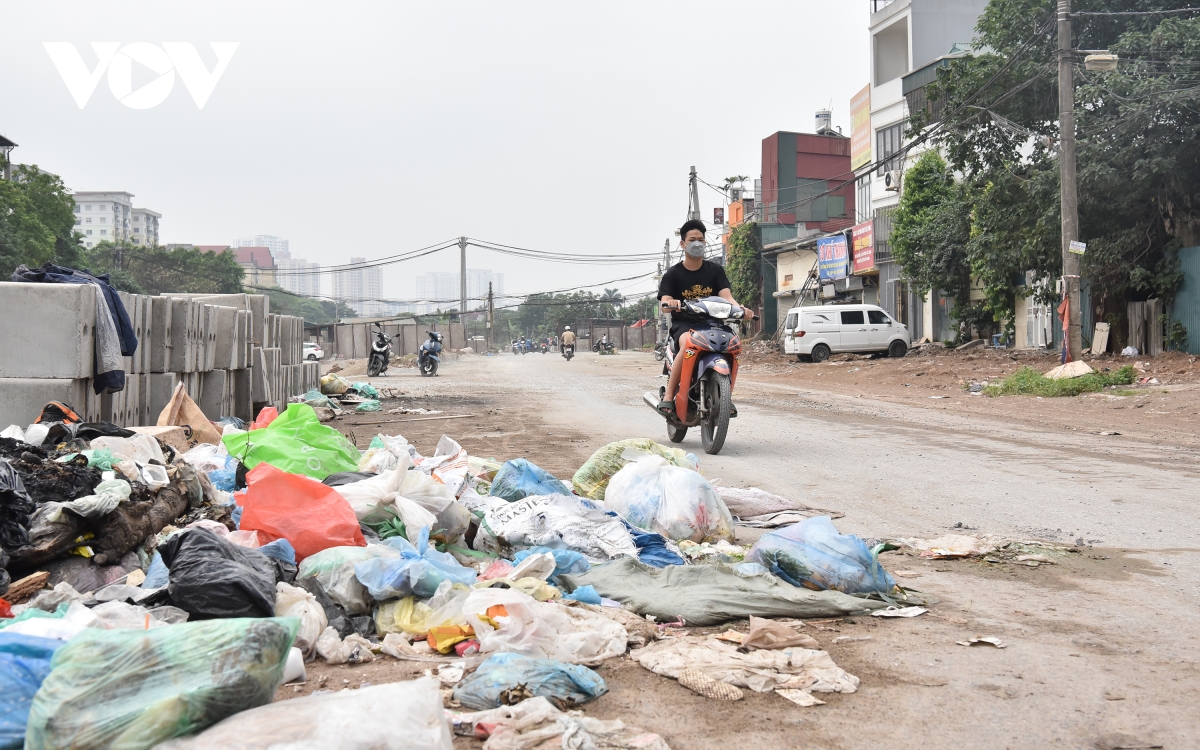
{"x": 694, "y": 249}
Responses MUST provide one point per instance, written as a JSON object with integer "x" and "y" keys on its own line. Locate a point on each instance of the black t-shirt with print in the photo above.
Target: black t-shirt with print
{"x": 680, "y": 283}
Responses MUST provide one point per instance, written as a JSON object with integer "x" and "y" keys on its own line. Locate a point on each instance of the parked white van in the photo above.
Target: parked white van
{"x": 815, "y": 332}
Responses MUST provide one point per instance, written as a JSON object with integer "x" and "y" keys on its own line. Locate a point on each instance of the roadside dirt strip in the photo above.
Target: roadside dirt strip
{"x": 1100, "y": 643}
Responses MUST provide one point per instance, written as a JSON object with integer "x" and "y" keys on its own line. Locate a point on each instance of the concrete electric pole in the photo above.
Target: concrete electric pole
{"x": 491, "y": 315}
{"x": 693, "y": 197}
{"x": 462, "y": 281}
{"x": 1069, "y": 191}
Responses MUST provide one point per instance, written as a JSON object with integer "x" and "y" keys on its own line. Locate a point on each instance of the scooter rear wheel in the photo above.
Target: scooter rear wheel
{"x": 676, "y": 434}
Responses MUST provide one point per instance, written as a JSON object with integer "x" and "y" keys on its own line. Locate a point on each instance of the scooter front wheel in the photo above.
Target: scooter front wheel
{"x": 373, "y": 367}
{"x": 719, "y": 395}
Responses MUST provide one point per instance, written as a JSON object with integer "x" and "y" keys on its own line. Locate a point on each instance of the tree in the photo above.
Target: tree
{"x": 37, "y": 221}
{"x": 613, "y": 297}
{"x": 743, "y": 265}
{"x": 314, "y": 311}
{"x": 157, "y": 270}
{"x": 1138, "y": 133}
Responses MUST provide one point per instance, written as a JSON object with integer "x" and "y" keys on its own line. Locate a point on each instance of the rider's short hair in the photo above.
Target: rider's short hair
{"x": 689, "y": 226}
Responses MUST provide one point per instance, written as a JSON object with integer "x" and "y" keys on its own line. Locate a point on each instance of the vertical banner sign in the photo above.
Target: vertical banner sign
{"x": 860, "y": 128}
{"x": 863, "y": 239}
{"x": 833, "y": 258}
{"x": 718, "y": 215}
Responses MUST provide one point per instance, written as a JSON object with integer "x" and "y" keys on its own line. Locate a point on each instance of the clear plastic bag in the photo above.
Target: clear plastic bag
{"x": 135, "y": 689}
{"x": 591, "y": 480}
{"x": 334, "y": 570}
{"x": 564, "y": 685}
{"x": 396, "y": 716}
{"x": 550, "y": 631}
{"x": 675, "y": 502}
{"x": 293, "y": 601}
{"x": 519, "y": 478}
{"x": 814, "y": 555}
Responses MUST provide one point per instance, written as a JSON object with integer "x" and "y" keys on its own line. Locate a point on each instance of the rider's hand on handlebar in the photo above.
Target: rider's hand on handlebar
{"x": 672, "y": 305}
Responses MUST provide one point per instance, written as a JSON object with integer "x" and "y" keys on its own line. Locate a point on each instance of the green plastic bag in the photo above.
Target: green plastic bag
{"x": 295, "y": 442}
{"x": 316, "y": 398}
{"x": 368, "y": 406}
{"x": 592, "y": 478}
{"x": 132, "y": 689}
{"x": 366, "y": 389}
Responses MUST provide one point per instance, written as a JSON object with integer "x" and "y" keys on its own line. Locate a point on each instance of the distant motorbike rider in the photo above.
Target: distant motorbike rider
{"x": 568, "y": 337}
{"x": 691, "y": 278}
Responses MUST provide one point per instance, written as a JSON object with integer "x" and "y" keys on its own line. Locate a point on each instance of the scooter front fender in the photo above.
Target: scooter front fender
{"x": 713, "y": 361}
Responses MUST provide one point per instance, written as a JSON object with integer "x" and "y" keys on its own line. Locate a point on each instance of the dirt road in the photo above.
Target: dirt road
{"x": 1101, "y": 646}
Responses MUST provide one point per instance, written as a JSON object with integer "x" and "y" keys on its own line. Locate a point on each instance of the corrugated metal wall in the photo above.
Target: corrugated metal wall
{"x": 1186, "y": 308}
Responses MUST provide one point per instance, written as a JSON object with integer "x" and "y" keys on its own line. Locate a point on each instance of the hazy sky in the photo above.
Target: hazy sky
{"x": 372, "y": 128}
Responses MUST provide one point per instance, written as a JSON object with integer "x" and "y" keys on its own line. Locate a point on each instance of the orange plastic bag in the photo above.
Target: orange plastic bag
{"x": 266, "y": 416}
{"x": 310, "y": 515}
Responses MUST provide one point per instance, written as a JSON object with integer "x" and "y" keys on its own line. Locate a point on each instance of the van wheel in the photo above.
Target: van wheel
{"x": 897, "y": 350}
{"x": 820, "y": 353}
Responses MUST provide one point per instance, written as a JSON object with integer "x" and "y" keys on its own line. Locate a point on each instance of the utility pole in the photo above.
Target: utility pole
{"x": 693, "y": 197}
{"x": 462, "y": 280}
{"x": 1069, "y": 190}
{"x": 491, "y": 316}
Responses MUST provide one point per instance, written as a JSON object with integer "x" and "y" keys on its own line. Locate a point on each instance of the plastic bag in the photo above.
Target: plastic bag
{"x": 181, "y": 411}
{"x": 293, "y": 601}
{"x": 448, "y": 465}
{"x": 565, "y": 560}
{"x": 354, "y": 649}
{"x": 209, "y": 577}
{"x": 310, "y": 515}
{"x": 386, "y": 452}
{"x": 592, "y": 478}
{"x": 675, "y": 502}
{"x": 16, "y": 509}
{"x": 207, "y": 457}
{"x": 408, "y": 615}
{"x": 134, "y": 689}
{"x": 24, "y": 664}
{"x": 418, "y": 571}
{"x": 225, "y": 479}
{"x": 366, "y": 389}
{"x": 518, "y": 479}
{"x": 334, "y": 385}
{"x": 369, "y": 405}
{"x": 315, "y": 398}
{"x": 534, "y": 723}
{"x": 108, "y": 495}
{"x": 334, "y": 570}
{"x": 141, "y": 448}
{"x": 425, "y": 491}
{"x": 295, "y": 442}
{"x": 266, "y": 416}
{"x": 814, "y": 555}
{"x": 396, "y": 716}
{"x": 377, "y": 499}
{"x": 556, "y": 522}
{"x": 508, "y": 620}
{"x": 503, "y": 678}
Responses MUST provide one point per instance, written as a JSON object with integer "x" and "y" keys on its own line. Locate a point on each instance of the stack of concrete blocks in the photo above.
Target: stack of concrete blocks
{"x": 216, "y": 345}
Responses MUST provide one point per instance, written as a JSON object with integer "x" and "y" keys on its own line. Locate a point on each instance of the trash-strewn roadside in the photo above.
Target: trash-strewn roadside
{"x": 139, "y": 563}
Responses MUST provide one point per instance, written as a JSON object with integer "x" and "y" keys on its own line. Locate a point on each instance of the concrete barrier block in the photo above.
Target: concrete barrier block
{"x": 260, "y": 380}
{"x": 54, "y": 337}
{"x": 22, "y": 399}
{"x": 213, "y": 394}
{"x": 162, "y": 385}
{"x": 160, "y": 334}
{"x": 242, "y": 394}
{"x": 225, "y": 341}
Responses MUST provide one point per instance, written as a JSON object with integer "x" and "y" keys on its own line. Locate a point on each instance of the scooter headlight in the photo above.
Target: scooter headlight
{"x": 719, "y": 310}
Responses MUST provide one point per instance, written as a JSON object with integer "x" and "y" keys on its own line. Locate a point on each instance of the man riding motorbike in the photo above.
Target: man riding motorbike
{"x": 568, "y": 337}
{"x": 690, "y": 279}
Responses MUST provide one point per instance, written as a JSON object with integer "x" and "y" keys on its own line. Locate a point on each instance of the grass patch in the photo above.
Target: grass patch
{"x": 1029, "y": 382}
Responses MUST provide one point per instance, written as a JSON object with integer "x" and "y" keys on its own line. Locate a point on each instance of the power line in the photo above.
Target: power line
{"x": 1135, "y": 12}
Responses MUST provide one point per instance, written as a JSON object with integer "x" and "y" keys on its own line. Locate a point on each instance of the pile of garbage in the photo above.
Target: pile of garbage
{"x": 171, "y": 580}
{"x": 338, "y": 395}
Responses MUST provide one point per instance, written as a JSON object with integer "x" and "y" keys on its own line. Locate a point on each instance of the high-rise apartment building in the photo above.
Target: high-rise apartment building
{"x": 290, "y": 273}
{"x": 360, "y": 287}
{"x": 105, "y": 216}
{"x": 439, "y": 290}
{"x": 144, "y": 226}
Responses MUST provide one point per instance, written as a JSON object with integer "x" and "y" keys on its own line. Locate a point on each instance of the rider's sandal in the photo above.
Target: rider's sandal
{"x": 666, "y": 407}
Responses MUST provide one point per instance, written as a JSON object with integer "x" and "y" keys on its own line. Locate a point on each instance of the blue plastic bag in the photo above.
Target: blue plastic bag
{"x": 814, "y": 555}
{"x": 280, "y": 549}
{"x": 24, "y": 663}
{"x": 157, "y": 574}
{"x": 652, "y": 547}
{"x": 564, "y": 685}
{"x": 417, "y": 572}
{"x": 518, "y": 479}
{"x": 225, "y": 479}
{"x": 565, "y": 560}
{"x": 586, "y": 594}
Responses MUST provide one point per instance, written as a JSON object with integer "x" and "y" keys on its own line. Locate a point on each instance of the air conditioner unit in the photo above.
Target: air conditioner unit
{"x": 891, "y": 180}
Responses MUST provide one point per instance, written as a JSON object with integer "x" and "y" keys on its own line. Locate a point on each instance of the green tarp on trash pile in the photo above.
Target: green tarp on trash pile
{"x": 295, "y": 442}
{"x": 711, "y": 594}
